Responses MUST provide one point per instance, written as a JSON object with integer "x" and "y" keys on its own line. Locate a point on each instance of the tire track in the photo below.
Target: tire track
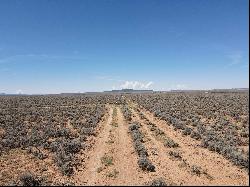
{"x": 165, "y": 167}
{"x": 112, "y": 161}
{"x": 221, "y": 170}
{"x": 125, "y": 159}
{"x": 89, "y": 175}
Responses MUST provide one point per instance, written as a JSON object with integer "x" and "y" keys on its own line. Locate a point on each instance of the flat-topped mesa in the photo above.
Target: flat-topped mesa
{"x": 129, "y": 91}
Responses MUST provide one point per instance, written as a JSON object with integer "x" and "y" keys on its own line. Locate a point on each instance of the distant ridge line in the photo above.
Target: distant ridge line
{"x": 137, "y": 91}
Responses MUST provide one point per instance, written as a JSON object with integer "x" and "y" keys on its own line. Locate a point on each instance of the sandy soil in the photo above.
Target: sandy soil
{"x": 115, "y": 142}
{"x": 89, "y": 175}
{"x": 110, "y": 158}
{"x": 219, "y": 171}
{"x": 18, "y": 162}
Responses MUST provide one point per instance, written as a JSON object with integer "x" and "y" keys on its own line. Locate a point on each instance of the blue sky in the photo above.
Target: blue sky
{"x": 76, "y": 46}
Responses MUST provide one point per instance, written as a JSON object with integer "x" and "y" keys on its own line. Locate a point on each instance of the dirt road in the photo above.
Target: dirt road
{"x": 113, "y": 161}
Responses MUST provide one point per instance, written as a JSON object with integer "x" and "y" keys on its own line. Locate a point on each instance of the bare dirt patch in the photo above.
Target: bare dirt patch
{"x": 18, "y": 162}
{"x": 113, "y": 160}
{"x": 218, "y": 170}
{"x": 89, "y": 175}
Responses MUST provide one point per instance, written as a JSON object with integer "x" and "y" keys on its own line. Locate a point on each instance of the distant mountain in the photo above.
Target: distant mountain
{"x": 129, "y": 91}
{"x": 12, "y": 94}
{"x": 231, "y": 90}
{"x": 215, "y": 90}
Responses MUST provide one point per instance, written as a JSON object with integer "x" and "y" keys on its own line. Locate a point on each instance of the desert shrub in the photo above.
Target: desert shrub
{"x": 142, "y": 116}
{"x": 83, "y": 138}
{"x": 140, "y": 149}
{"x": 63, "y": 132}
{"x": 145, "y": 164}
{"x": 113, "y": 174}
{"x": 87, "y": 131}
{"x": 37, "y": 153}
{"x": 170, "y": 143}
{"x": 65, "y": 161}
{"x": 67, "y": 169}
{"x": 196, "y": 170}
{"x": 152, "y": 126}
{"x": 175, "y": 155}
{"x": 107, "y": 160}
{"x": 195, "y": 135}
{"x": 55, "y": 145}
{"x": 201, "y": 129}
{"x": 187, "y": 131}
{"x": 65, "y": 183}
{"x": 137, "y": 137}
{"x": 158, "y": 132}
{"x": 134, "y": 127}
{"x": 29, "y": 179}
{"x": 158, "y": 182}
{"x": 226, "y": 148}
{"x": 244, "y": 133}
{"x": 72, "y": 146}
{"x": 179, "y": 125}
{"x": 205, "y": 113}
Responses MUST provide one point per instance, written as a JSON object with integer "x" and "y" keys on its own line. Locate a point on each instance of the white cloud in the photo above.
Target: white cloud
{"x": 19, "y": 91}
{"x": 136, "y": 85}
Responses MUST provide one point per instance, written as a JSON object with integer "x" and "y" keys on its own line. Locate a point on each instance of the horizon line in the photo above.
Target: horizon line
{"x": 128, "y": 89}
